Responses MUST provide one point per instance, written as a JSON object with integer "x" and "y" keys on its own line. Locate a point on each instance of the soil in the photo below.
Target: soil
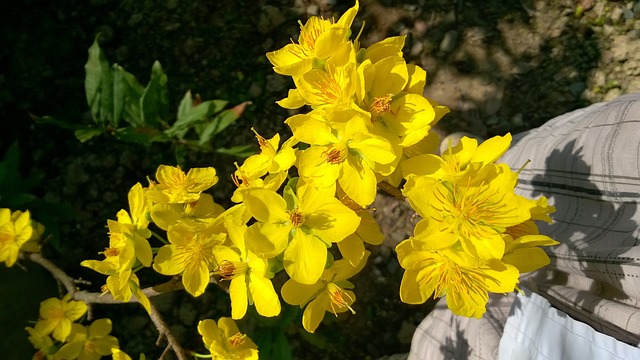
{"x": 500, "y": 66}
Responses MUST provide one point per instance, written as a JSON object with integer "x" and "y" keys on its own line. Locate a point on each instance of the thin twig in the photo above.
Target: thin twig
{"x": 99, "y": 298}
{"x": 163, "y": 329}
{"x": 105, "y": 298}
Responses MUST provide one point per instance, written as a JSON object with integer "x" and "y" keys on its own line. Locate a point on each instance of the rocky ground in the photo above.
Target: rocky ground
{"x": 499, "y": 65}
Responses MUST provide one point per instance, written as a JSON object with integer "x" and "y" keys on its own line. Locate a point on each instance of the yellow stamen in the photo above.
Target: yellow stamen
{"x": 296, "y": 217}
{"x": 335, "y": 154}
{"x": 237, "y": 339}
{"x": 108, "y": 252}
{"x": 104, "y": 289}
{"x": 337, "y": 296}
{"x": 380, "y": 105}
{"x": 261, "y": 140}
{"x": 230, "y": 269}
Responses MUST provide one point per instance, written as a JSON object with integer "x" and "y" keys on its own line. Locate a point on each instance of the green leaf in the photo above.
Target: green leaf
{"x": 140, "y": 135}
{"x": 189, "y": 115}
{"x": 98, "y": 85}
{"x": 131, "y": 112}
{"x": 241, "y": 151}
{"x": 185, "y": 106}
{"x": 86, "y": 134}
{"x": 120, "y": 91}
{"x": 63, "y": 124}
{"x": 154, "y": 102}
{"x": 217, "y": 124}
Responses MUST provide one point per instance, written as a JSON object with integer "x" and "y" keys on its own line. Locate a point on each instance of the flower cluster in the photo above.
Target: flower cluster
{"x": 476, "y": 235}
{"x": 368, "y": 123}
{"x": 56, "y": 335}
{"x": 18, "y": 232}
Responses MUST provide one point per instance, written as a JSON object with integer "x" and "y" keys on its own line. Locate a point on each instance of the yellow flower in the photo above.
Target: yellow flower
{"x": 89, "y": 343}
{"x": 124, "y": 285}
{"x": 120, "y": 256}
{"x": 461, "y": 162}
{"x": 190, "y": 254}
{"x": 329, "y": 294}
{"x": 247, "y": 273}
{"x": 42, "y": 342}
{"x": 15, "y": 230}
{"x": 225, "y": 341}
{"x": 465, "y": 280}
{"x": 388, "y": 93}
{"x": 342, "y": 150}
{"x": 243, "y": 182}
{"x": 57, "y": 315}
{"x": 334, "y": 86}
{"x": 319, "y": 38}
{"x": 474, "y": 215}
{"x": 174, "y": 186}
{"x": 203, "y": 211}
{"x": 135, "y": 225}
{"x": 270, "y": 159}
{"x": 303, "y": 229}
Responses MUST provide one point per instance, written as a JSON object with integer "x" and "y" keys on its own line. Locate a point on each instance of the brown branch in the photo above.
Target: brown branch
{"x": 106, "y": 298}
{"x": 391, "y": 190}
{"x": 164, "y": 331}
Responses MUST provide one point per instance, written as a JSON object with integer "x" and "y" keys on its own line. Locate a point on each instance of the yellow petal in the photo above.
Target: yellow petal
{"x": 305, "y": 257}
{"x": 239, "y": 299}
{"x": 265, "y": 205}
{"x": 165, "y": 262}
{"x": 311, "y": 129}
{"x": 358, "y": 181}
{"x": 313, "y": 313}
{"x": 196, "y": 278}
{"x": 264, "y": 296}
{"x": 332, "y": 221}
{"x": 100, "y": 328}
{"x": 294, "y": 293}
{"x": 267, "y": 240}
{"x": 352, "y": 249}
{"x": 492, "y": 149}
{"x": 294, "y": 100}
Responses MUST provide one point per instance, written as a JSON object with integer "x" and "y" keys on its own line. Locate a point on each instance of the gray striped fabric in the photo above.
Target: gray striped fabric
{"x": 587, "y": 163}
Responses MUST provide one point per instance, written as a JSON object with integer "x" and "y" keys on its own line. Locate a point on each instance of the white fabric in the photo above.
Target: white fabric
{"x": 537, "y": 331}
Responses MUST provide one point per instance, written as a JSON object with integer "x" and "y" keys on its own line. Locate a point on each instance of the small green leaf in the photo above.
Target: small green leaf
{"x": 86, "y": 134}
{"x": 140, "y": 135}
{"x": 131, "y": 112}
{"x": 189, "y": 115}
{"x": 185, "y": 106}
{"x": 119, "y": 93}
{"x": 241, "y": 151}
{"x": 63, "y": 124}
{"x": 98, "y": 85}
{"x": 154, "y": 102}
